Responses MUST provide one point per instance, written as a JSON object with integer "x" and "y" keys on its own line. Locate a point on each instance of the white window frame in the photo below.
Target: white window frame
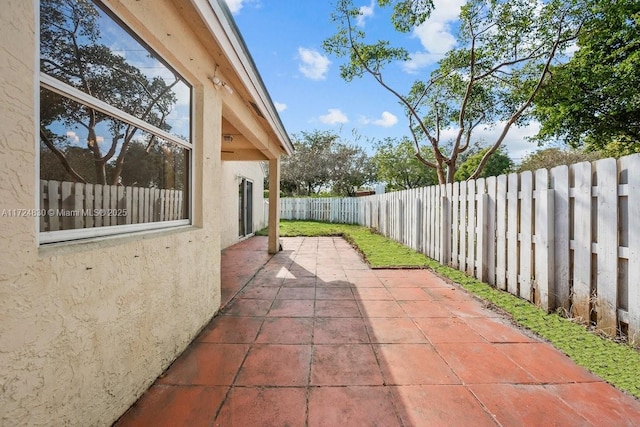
{"x": 70, "y": 92}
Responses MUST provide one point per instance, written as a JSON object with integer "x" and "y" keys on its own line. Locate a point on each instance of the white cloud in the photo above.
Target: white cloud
{"x": 386, "y": 120}
{"x": 234, "y": 5}
{"x": 435, "y": 35}
{"x": 280, "y": 106}
{"x": 333, "y": 117}
{"x": 314, "y": 65}
{"x": 365, "y": 12}
{"x": 515, "y": 143}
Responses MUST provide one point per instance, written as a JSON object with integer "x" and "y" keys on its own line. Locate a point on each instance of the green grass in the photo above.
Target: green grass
{"x": 617, "y": 363}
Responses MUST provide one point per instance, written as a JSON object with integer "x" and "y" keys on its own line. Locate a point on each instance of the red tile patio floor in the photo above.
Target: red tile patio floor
{"x": 313, "y": 337}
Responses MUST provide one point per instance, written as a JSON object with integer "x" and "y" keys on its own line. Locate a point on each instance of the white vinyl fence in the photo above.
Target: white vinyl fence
{"x": 73, "y": 205}
{"x": 565, "y": 238}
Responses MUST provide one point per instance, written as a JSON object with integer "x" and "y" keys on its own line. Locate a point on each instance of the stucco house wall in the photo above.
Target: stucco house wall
{"x": 87, "y": 326}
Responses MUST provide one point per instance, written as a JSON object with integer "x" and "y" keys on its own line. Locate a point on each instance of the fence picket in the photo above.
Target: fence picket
{"x": 501, "y": 232}
{"x": 543, "y": 238}
{"x": 582, "y": 241}
{"x": 513, "y": 258}
{"x": 607, "y": 254}
{"x": 525, "y": 234}
{"x": 561, "y": 254}
{"x": 633, "y": 233}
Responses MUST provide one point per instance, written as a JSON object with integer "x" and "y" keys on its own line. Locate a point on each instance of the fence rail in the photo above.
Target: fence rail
{"x": 564, "y": 238}
{"x": 73, "y": 205}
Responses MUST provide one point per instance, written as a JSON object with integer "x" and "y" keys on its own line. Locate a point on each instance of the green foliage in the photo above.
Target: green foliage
{"x": 397, "y": 165}
{"x": 73, "y": 51}
{"x": 619, "y": 364}
{"x": 321, "y": 162}
{"x": 501, "y": 57}
{"x": 593, "y": 100}
{"x": 552, "y": 157}
{"x": 498, "y": 164}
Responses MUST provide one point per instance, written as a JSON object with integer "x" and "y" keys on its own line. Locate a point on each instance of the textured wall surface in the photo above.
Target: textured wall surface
{"x": 86, "y": 327}
{"x": 232, "y": 172}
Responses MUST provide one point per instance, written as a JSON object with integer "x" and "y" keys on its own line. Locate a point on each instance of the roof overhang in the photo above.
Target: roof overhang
{"x": 246, "y": 84}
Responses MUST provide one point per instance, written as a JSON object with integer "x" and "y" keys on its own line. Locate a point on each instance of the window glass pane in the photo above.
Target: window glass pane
{"x": 84, "y": 47}
{"x": 91, "y": 162}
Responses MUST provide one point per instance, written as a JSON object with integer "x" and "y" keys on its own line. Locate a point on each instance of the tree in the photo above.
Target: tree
{"x": 505, "y": 50}
{"x": 352, "y": 169}
{"x": 593, "y": 100}
{"x": 322, "y": 162}
{"x": 397, "y": 166}
{"x": 70, "y": 51}
{"x": 552, "y": 157}
{"x": 498, "y": 164}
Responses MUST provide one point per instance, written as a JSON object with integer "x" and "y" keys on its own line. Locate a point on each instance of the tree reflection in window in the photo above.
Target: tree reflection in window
{"x": 83, "y": 47}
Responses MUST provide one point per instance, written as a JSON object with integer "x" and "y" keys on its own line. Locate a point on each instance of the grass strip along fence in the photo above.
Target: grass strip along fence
{"x": 615, "y": 362}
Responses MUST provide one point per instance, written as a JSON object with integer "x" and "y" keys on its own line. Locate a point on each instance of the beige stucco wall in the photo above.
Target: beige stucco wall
{"x": 86, "y": 327}
{"x": 232, "y": 172}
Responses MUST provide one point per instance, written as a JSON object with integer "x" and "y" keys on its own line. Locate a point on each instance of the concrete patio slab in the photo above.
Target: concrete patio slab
{"x": 312, "y": 337}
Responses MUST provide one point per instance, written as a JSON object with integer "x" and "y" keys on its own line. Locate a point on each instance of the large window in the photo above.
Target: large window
{"x": 115, "y": 128}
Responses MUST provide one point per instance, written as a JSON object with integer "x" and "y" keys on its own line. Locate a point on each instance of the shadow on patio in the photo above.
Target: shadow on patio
{"x": 313, "y": 337}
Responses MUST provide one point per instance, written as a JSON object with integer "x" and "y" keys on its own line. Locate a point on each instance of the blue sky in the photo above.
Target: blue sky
{"x": 285, "y": 41}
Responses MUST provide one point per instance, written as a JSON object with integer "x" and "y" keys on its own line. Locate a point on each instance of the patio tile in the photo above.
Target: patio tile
{"x": 334, "y": 293}
{"x": 337, "y": 308}
{"x": 440, "y": 405}
{"x": 206, "y": 364}
{"x": 295, "y": 349}
{"x": 259, "y": 292}
{"x": 373, "y": 294}
{"x": 344, "y": 364}
{"x": 394, "y": 330}
{"x": 447, "y": 329}
{"x": 339, "y": 330}
{"x": 481, "y": 363}
{"x": 292, "y": 308}
{"x": 167, "y": 405}
{"x": 231, "y": 330}
{"x": 286, "y": 330}
{"x": 536, "y": 405}
{"x": 374, "y": 308}
{"x": 599, "y": 403}
{"x": 297, "y": 293}
{"x": 424, "y": 309}
{"x": 247, "y": 307}
{"x": 366, "y": 282}
{"x": 498, "y": 330}
{"x": 557, "y": 367}
{"x": 413, "y": 364}
{"x": 276, "y": 365}
{"x": 250, "y": 406}
{"x": 300, "y": 282}
{"x": 351, "y": 407}
{"x": 410, "y": 294}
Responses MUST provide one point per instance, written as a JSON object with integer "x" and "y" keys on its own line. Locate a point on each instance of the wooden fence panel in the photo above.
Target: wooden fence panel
{"x": 455, "y": 230}
{"x": 582, "y": 241}
{"x": 543, "y": 241}
{"x": 501, "y": 232}
{"x": 561, "y": 253}
{"x": 631, "y": 164}
{"x": 462, "y": 227}
{"x": 525, "y": 234}
{"x": 513, "y": 258}
{"x": 607, "y": 244}
{"x": 490, "y": 226}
